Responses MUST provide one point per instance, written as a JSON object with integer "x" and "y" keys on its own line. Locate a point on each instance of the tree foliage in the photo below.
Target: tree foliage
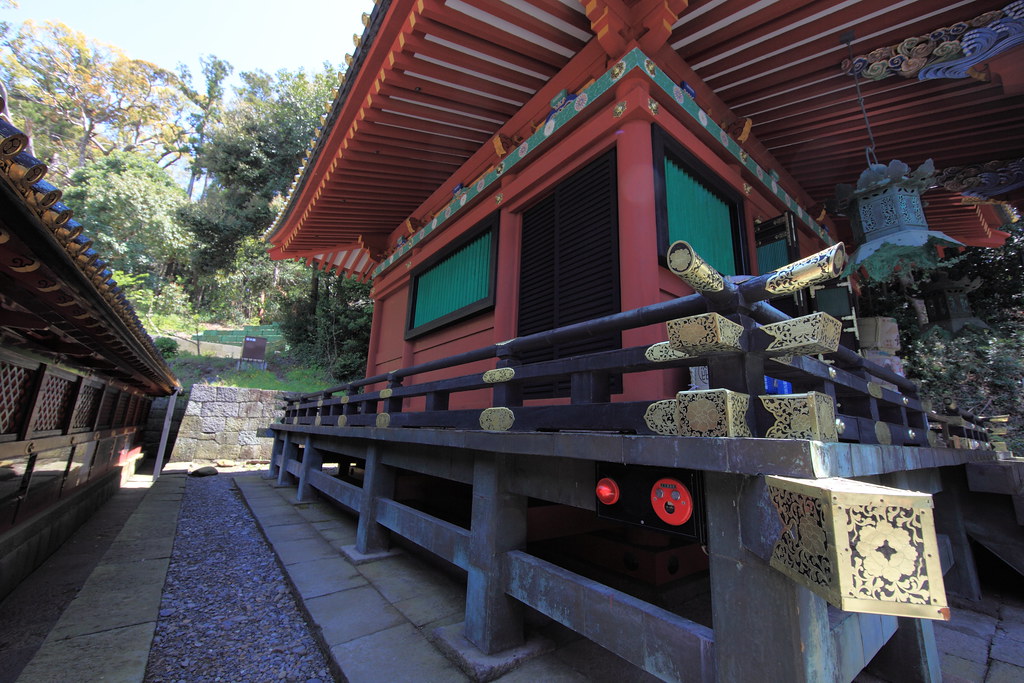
{"x": 209, "y": 106}
{"x": 110, "y": 123}
{"x": 331, "y": 327}
{"x": 979, "y": 370}
{"x": 81, "y": 99}
{"x": 129, "y": 206}
{"x": 250, "y": 156}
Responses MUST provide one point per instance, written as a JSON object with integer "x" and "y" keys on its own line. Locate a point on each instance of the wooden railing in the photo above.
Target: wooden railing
{"x": 871, "y": 403}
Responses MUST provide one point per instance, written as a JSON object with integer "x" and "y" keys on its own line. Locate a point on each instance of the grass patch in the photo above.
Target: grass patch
{"x": 305, "y": 380}
{"x": 282, "y": 374}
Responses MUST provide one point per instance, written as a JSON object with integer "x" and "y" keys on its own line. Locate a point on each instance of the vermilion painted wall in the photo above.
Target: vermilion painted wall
{"x": 643, "y": 281}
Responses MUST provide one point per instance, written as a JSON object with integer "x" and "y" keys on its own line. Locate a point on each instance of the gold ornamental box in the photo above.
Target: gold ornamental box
{"x": 863, "y": 547}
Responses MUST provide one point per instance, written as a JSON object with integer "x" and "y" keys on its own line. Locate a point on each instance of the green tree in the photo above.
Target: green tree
{"x": 250, "y": 156}
{"x": 209, "y": 105}
{"x": 129, "y": 206}
{"x": 331, "y": 328}
{"x": 980, "y": 371}
{"x": 81, "y": 99}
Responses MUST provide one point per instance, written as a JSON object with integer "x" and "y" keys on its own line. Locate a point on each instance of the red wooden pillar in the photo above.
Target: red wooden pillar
{"x": 638, "y": 241}
{"x": 506, "y": 302}
{"x": 375, "y": 325}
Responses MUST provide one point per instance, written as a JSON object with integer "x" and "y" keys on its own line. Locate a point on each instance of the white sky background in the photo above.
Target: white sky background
{"x": 250, "y": 35}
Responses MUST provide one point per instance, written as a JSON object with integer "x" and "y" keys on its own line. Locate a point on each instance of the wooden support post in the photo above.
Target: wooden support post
{"x": 393, "y": 404}
{"x": 312, "y": 459}
{"x": 962, "y": 577}
{"x": 276, "y": 451}
{"x": 288, "y": 452}
{"x": 507, "y": 394}
{"x": 744, "y": 374}
{"x": 494, "y": 621}
{"x": 911, "y": 655}
{"x": 165, "y": 430}
{"x": 378, "y": 483}
{"x": 767, "y": 628}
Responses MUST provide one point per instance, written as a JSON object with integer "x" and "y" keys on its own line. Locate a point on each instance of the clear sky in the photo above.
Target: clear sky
{"x": 250, "y": 35}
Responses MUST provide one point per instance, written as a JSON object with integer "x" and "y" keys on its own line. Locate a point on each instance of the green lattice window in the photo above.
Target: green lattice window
{"x": 696, "y": 206}
{"x": 457, "y": 283}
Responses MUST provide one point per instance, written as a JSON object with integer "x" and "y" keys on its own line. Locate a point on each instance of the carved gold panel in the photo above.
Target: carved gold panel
{"x": 662, "y": 352}
{"x": 862, "y": 547}
{"x": 660, "y": 417}
{"x": 712, "y": 412}
{"x": 705, "y": 333}
{"x": 801, "y": 416}
{"x": 806, "y": 335}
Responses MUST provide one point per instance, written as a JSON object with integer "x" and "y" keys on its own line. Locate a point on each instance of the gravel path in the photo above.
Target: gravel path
{"x": 226, "y": 613}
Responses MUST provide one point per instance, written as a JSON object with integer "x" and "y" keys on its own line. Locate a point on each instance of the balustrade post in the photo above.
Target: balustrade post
{"x": 378, "y": 483}
{"x": 393, "y": 404}
{"x": 276, "y": 450}
{"x": 507, "y": 394}
{"x": 494, "y": 621}
{"x": 767, "y": 628}
{"x": 289, "y": 451}
{"x": 312, "y": 459}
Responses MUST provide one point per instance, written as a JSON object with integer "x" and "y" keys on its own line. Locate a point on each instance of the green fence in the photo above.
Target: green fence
{"x": 272, "y": 333}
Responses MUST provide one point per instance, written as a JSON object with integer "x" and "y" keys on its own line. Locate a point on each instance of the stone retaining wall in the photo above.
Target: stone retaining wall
{"x": 226, "y": 423}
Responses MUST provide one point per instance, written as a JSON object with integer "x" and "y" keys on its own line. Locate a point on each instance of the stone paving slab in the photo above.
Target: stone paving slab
{"x": 303, "y": 549}
{"x": 117, "y": 655}
{"x": 115, "y": 595}
{"x": 337, "y": 534}
{"x": 106, "y": 632}
{"x": 400, "y": 653}
{"x": 1001, "y": 672}
{"x": 1006, "y": 649}
{"x": 290, "y": 532}
{"x": 352, "y": 614}
{"x": 324, "y": 576}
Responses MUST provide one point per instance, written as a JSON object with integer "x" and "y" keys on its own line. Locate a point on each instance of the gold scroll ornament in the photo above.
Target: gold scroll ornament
{"x": 862, "y": 547}
{"x": 660, "y": 417}
{"x": 825, "y": 265}
{"x": 662, "y": 352}
{"x": 705, "y": 333}
{"x": 692, "y": 269}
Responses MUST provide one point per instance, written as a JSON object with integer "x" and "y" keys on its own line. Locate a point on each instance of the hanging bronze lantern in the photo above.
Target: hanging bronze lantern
{"x": 887, "y": 217}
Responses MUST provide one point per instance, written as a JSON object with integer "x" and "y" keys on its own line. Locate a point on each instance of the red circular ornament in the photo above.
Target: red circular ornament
{"x": 671, "y": 501}
{"x": 607, "y": 491}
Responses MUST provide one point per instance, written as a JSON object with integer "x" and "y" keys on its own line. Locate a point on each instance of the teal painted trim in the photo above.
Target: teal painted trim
{"x": 634, "y": 59}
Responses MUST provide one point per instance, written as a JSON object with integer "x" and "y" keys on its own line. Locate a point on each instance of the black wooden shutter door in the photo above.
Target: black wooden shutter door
{"x": 570, "y": 266}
